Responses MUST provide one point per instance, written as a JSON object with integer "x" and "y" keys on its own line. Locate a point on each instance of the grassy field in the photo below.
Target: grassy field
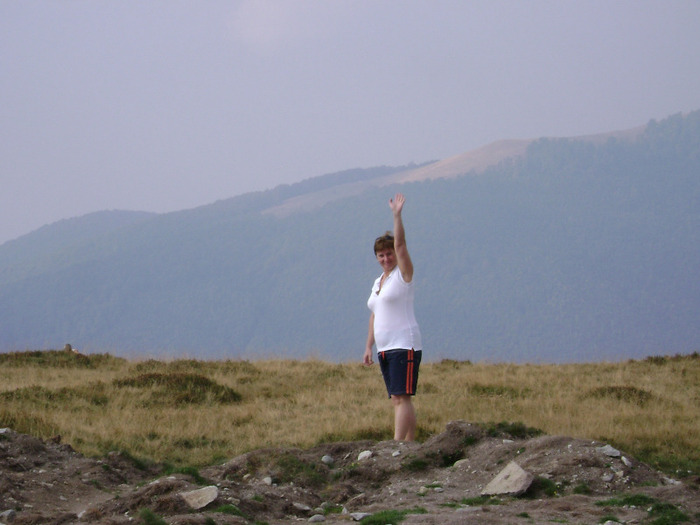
{"x": 195, "y": 413}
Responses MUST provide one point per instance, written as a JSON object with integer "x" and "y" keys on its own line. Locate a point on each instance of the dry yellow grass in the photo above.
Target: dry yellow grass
{"x": 188, "y": 416}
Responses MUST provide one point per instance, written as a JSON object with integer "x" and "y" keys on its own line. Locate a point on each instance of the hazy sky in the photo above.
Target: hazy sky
{"x": 166, "y": 105}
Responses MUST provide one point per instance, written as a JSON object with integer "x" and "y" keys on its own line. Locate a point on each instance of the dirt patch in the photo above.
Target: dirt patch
{"x": 439, "y": 481}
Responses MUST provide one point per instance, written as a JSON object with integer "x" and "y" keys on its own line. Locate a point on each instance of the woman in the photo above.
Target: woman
{"x": 392, "y": 324}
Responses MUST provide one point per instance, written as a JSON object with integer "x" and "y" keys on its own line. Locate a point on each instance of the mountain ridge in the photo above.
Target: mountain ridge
{"x": 577, "y": 249}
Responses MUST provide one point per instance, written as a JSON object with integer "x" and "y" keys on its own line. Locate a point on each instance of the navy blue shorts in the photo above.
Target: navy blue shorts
{"x": 400, "y": 371}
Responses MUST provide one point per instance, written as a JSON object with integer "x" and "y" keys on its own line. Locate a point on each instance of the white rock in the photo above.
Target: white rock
{"x": 610, "y": 451}
{"x": 301, "y": 506}
{"x": 670, "y": 481}
{"x": 626, "y": 461}
{"x": 512, "y": 480}
{"x": 200, "y": 498}
{"x": 8, "y": 515}
{"x": 359, "y": 516}
{"x": 366, "y": 454}
{"x": 317, "y": 518}
{"x": 267, "y": 480}
{"x": 328, "y": 460}
{"x": 461, "y": 463}
{"x": 396, "y": 453}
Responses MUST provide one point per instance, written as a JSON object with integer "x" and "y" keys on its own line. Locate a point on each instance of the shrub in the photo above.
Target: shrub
{"x": 515, "y": 430}
{"x": 629, "y": 394}
{"x": 181, "y": 388}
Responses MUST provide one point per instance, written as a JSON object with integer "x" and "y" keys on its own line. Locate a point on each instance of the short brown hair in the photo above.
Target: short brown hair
{"x": 385, "y": 242}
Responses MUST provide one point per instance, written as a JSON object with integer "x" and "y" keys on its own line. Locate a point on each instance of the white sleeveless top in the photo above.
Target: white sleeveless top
{"x": 395, "y": 325}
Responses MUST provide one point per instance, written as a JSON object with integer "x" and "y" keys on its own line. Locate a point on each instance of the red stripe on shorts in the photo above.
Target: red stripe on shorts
{"x": 409, "y": 372}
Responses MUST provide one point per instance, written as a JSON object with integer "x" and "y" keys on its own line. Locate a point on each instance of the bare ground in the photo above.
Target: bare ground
{"x": 46, "y": 482}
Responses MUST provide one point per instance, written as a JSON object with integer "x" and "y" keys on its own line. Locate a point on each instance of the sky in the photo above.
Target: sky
{"x": 164, "y": 105}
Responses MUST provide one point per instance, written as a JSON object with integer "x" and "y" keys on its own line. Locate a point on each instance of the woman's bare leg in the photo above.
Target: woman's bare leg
{"x": 404, "y": 418}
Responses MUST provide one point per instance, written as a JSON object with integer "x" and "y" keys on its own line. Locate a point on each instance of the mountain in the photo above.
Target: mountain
{"x": 556, "y": 249}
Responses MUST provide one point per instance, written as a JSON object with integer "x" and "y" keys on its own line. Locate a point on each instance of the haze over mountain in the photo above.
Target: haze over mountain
{"x": 558, "y": 250}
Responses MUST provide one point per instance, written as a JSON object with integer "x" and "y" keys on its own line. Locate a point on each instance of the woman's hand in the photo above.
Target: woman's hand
{"x": 396, "y": 204}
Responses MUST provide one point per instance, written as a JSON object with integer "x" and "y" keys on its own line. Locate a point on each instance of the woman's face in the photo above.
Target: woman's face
{"x": 387, "y": 259}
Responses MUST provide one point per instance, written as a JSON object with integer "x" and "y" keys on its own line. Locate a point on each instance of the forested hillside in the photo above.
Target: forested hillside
{"x": 577, "y": 251}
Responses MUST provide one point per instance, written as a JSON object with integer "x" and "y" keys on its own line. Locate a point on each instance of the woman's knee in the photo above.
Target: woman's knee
{"x": 400, "y": 399}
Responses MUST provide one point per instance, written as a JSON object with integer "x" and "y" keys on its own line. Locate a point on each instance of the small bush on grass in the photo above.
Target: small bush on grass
{"x": 180, "y": 389}
{"x": 290, "y": 468}
{"x": 516, "y": 430}
{"x": 629, "y": 394}
{"x": 149, "y": 518}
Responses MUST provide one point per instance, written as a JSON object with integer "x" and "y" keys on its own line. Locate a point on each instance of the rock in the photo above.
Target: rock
{"x": 608, "y": 477}
{"x": 317, "y": 518}
{"x": 267, "y": 480}
{"x": 328, "y": 460}
{"x": 200, "y": 498}
{"x": 512, "y": 480}
{"x": 359, "y": 516}
{"x": 610, "y": 451}
{"x": 461, "y": 463}
{"x": 302, "y": 507}
{"x": 626, "y": 461}
{"x": 366, "y": 454}
{"x": 396, "y": 453}
{"x": 8, "y": 516}
{"x": 670, "y": 481}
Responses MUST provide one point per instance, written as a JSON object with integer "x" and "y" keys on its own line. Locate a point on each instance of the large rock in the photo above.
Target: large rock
{"x": 200, "y": 498}
{"x": 511, "y": 481}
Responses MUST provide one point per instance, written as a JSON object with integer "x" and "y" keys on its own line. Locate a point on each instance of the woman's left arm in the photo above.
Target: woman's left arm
{"x": 402, "y": 256}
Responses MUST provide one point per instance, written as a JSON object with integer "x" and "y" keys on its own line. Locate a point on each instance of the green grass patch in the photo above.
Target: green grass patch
{"x": 93, "y": 394}
{"x": 675, "y": 465}
{"x": 364, "y": 434}
{"x": 291, "y": 468}
{"x": 150, "y": 518}
{"x": 636, "y": 500}
{"x": 59, "y": 359}
{"x": 187, "y": 471}
{"x": 515, "y": 430}
{"x": 415, "y": 464}
{"x": 180, "y": 388}
{"x": 390, "y": 517}
{"x": 481, "y": 500}
{"x": 230, "y": 509}
{"x": 582, "y": 488}
{"x": 660, "y": 513}
{"x": 541, "y": 487}
{"x": 666, "y": 514}
{"x": 629, "y": 394}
